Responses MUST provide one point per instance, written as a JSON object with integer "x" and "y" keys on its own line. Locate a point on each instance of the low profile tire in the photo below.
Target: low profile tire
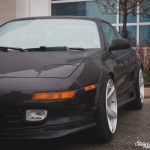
{"x": 137, "y": 103}
{"x": 106, "y": 114}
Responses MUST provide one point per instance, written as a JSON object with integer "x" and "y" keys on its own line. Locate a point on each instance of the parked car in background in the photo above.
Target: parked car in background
{"x": 60, "y": 75}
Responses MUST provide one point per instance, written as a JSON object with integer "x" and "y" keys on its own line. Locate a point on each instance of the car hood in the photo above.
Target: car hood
{"x": 41, "y": 64}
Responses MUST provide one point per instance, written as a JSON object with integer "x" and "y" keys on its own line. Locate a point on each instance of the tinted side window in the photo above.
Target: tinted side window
{"x": 109, "y": 33}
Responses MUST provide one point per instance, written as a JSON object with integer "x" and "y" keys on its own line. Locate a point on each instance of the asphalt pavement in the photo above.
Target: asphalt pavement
{"x": 133, "y": 129}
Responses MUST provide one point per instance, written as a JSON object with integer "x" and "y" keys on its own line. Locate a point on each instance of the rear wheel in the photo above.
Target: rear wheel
{"x": 106, "y": 114}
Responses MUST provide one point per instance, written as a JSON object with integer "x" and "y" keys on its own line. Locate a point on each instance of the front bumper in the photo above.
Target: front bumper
{"x": 64, "y": 116}
{"x": 13, "y": 124}
{"x": 45, "y": 132}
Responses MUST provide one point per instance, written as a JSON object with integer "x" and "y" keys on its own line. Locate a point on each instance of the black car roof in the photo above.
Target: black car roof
{"x": 61, "y": 17}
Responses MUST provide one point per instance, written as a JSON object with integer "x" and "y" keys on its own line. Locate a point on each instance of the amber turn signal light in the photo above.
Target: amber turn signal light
{"x": 90, "y": 87}
{"x": 54, "y": 95}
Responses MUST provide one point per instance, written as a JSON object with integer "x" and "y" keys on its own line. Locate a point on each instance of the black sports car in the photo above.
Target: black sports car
{"x": 59, "y": 75}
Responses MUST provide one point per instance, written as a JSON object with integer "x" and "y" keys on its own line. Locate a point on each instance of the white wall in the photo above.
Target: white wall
{"x": 7, "y": 10}
{"x": 22, "y": 8}
{"x": 39, "y": 7}
{"x": 31, "y": 8}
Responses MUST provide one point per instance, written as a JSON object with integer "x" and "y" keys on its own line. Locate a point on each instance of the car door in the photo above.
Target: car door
{"x": 124, "y": 63}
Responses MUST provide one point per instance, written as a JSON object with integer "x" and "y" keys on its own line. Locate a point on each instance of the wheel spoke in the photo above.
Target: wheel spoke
{"x": 142, "y": 96}
{"x": 112, "y": 114}
{"x": 141, "y": 85}
{"x": 111, "y": 105}
{"x": 110, "y": 92}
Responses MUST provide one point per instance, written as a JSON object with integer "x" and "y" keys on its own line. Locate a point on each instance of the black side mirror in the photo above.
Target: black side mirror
{"x": 119, "y": 44}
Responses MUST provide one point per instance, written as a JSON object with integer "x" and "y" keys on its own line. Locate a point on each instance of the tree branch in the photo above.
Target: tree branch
{"x": 109, "y": 6}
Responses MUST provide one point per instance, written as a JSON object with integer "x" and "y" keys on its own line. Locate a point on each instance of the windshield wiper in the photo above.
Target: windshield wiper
{"x": 7, "y": 49}
{"x": 44, "y": 48}
{"x": 59, "y": 48}
{"x": 76, "y": 48}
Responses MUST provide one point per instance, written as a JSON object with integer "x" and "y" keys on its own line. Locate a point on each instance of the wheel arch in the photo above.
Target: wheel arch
{"x": 100, "y": 85}
{"x": 142, "y": 66}
{"x": 112, "y": 75}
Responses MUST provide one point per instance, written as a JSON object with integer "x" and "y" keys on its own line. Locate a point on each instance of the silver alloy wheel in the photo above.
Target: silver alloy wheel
{"x": 111, "y": 105}
{"x": 141, "y": 86}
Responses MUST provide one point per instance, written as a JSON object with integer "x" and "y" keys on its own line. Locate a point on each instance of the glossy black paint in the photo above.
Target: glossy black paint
{"x": 24, "y": 73}
{"x": 119, "y": 44}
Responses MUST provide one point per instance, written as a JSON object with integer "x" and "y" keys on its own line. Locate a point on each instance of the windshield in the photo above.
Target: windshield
{"x": 50, "y": 33}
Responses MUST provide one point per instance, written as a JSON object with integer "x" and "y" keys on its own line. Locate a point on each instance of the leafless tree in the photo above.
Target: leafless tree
{"x": 124, "y": 8}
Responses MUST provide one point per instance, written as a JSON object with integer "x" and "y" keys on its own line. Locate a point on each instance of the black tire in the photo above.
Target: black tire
{"x": 137, "y": 103}
{"x": 103, "y": 133}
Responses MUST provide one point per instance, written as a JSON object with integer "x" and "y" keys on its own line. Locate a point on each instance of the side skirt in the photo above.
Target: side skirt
{"x": 125, "y": 102}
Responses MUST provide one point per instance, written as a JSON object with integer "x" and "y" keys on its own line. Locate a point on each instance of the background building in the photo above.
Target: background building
{"x": 138, "y": 26}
